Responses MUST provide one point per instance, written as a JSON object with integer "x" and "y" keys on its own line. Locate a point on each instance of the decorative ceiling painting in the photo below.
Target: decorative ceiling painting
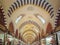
{"x": 41, "y": 3}
{"x": 2, "y": 19}
{"x": 30, "y": 20}
{"x": 58, "y": 20}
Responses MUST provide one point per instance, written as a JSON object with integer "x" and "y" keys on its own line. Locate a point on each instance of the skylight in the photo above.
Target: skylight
{"x": 42, "y": 19}
{"x": 17, "y": 20}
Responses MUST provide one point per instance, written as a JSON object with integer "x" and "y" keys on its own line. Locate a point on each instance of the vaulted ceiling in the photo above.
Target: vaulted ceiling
{"x": 32, "y": 18}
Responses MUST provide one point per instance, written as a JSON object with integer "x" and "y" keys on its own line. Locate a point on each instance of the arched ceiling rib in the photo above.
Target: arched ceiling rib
{"x": 29, "y": 31}
{"x": 25, "y": 34}
{"x": 29, "y": 34}
{"x": 2, "y": 19}
{"x": 42, "y": 3}
{"x": 57, "y": 20}
{"x": 29, "y": 39}
{"x": 29, "y": 15}
{"x": 31, "y": 22}
{"x": 29, "y": 27}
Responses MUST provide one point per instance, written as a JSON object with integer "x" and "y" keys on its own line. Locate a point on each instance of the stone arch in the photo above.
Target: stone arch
{"x": 57, "y": 21}
{"x": 42, "y": 3}
{"x": 31, "y": 22}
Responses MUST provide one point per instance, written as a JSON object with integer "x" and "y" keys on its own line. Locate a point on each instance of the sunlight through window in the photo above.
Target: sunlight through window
{"x": 17, "y": 20}
{"x": 42, "y": 19}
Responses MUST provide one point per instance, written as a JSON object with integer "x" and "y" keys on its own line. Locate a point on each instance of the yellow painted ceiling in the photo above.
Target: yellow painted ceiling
{"x": 29, "y": 32}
